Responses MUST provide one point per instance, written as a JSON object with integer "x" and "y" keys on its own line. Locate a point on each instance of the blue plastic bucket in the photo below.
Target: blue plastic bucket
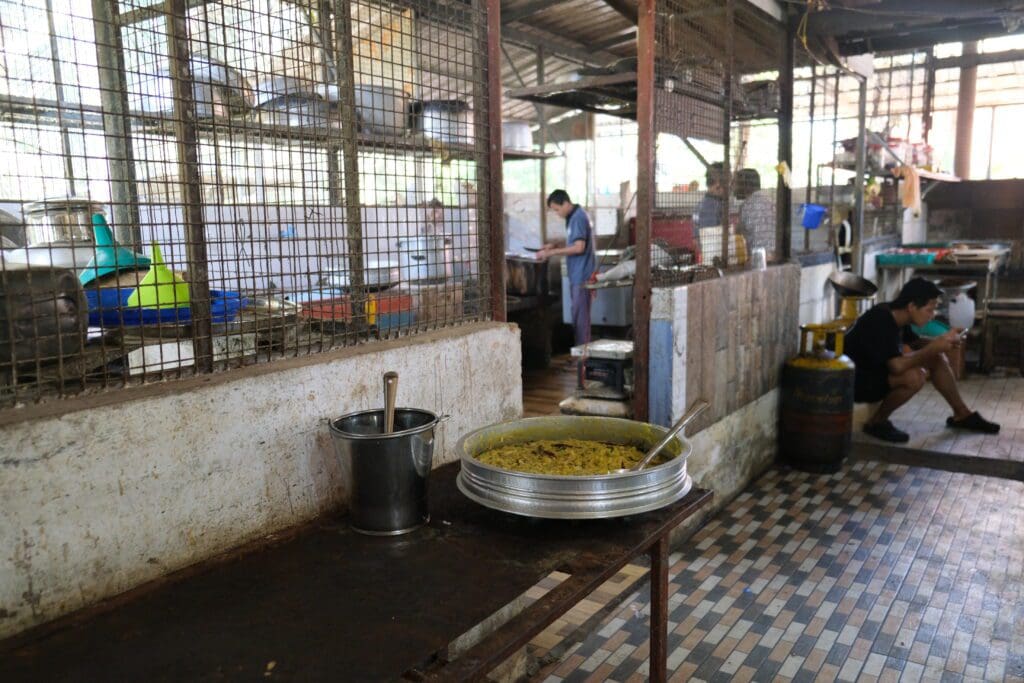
{"x": 813, "y": 213}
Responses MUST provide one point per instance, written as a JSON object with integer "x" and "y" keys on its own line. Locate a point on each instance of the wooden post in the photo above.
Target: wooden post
{"x": 783, "y": 194}
{"x": 492, "y": 138}
{"x": 345, "y": 73}
{"x": 856, "y": 239}
{"x": 542, "y": 114}
{"x": 644, "y": 207}
{"x": 191, "y": 183}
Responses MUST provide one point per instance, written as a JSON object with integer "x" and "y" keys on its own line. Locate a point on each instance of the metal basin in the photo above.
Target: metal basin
{"x": 573, "y": 497}
{"x": 850, "y": 284}
{"x": 525, "y": 276}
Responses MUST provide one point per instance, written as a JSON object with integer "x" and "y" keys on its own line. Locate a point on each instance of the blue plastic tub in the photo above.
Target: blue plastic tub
{"x": 813, "y": 215}
{"x": 108, "y": 307}
{"x": 393, "y": 321}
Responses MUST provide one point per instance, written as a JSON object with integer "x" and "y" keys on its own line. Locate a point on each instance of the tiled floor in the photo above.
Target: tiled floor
{"x": 881, "y": 572}
{"x": 1000, "y": 399}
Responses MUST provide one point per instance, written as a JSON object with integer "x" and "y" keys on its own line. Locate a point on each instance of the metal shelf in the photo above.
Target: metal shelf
{"x": 887, "y": 173}
{"x": 38, "y": 112}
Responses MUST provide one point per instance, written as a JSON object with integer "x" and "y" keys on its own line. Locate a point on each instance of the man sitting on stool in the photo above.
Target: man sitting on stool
{"x": 893, "y": 363}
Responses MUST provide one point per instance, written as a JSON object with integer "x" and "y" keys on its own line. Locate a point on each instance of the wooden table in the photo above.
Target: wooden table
{"x": 329, "y": 604}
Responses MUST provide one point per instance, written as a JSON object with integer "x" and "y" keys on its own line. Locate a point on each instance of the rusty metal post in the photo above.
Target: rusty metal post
{"x": 345, "y": 74}
{"x": 58, "y": 84}
{"x": 542, "y": 115}
{"x": 644, "y": 206}
{"x": 857, "y": 237}
{"x": 832, "y": 236}
{"x": 783, "y": 193}
{"x": 730, "y": 21}
{"x": 191, "y": 181}
{"x": 810, "y": 154}
{"x": 124, "y": 192}
{"x": 487, "y": 103}
{"x": 335, "y": 189}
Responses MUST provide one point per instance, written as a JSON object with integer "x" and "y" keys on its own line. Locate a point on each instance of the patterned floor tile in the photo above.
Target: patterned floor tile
{"x": 880, "y": 572}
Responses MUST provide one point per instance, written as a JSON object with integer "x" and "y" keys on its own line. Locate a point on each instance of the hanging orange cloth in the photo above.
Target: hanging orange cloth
{"x": 911, "y": 190}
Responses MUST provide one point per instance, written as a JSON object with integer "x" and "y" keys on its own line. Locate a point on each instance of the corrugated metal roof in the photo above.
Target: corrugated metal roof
{"x": 576, "y": 31}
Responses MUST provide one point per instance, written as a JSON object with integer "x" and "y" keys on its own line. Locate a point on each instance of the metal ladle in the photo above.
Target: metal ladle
{"x": 695, "y": 410}
{"x": 390, "y": 392}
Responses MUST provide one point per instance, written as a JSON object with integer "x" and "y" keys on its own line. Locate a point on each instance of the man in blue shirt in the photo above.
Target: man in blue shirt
{"x": 579, "y": 259}
{"x": 709, "y": 212}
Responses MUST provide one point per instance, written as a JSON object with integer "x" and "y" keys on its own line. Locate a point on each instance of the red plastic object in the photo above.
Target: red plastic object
{"x": 675, "y": 232}
{"x": 390, "y": 302}
{"x": 339, "y": 308}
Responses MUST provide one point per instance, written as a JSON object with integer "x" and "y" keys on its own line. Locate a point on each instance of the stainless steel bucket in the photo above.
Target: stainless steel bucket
{"x": 389, "y": 471}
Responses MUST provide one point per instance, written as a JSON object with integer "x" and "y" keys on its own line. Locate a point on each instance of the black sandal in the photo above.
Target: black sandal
{"x": 974, "y": 423}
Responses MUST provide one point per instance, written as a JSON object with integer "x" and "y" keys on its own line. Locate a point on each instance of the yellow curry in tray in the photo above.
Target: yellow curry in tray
{"x": 566, "y": 457}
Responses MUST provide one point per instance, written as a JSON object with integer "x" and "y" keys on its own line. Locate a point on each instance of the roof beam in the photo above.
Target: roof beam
{"x": 905, "y": 40}
{"x": 625, "y": 8}
{"x": 977, "y": 60}
{"x": 773, "y": 8}
{"x": 839, "y": 21}
{"x": 626, "y": 36}
{"x": 526, "y": 10}
{"x": 558, "y": 47}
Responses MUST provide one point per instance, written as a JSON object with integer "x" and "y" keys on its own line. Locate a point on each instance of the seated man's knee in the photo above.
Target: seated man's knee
{"x": 911, "y": 380}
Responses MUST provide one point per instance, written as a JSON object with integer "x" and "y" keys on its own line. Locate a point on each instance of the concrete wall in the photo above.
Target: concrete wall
{"x": 103, "y": 499}
{"x": 725, "y": 341}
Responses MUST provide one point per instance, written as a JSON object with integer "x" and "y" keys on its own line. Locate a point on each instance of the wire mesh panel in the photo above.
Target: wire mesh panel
{"x": 699, "y": 101}
{"x": 195, "y": 186}
{"x": 825, "y": 140}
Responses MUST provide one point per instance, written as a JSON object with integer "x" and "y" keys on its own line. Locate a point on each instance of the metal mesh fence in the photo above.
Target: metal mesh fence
{"x": 192, "y": 186}
{"x": 712, "y": 207}
{"x": 825, "y": 136}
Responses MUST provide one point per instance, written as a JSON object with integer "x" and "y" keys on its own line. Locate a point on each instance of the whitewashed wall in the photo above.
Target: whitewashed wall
{"x": 101, "y": 500}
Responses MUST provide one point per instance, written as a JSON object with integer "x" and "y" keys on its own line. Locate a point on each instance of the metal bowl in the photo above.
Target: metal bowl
{"x": 849, "y": 284}
{"x": 572, "y": 497}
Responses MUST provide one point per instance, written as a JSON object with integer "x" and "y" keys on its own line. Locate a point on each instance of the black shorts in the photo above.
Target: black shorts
{"x": 869, "y": 387}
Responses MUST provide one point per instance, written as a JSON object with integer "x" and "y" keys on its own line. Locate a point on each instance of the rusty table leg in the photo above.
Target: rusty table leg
{"x": 659, "y": 609}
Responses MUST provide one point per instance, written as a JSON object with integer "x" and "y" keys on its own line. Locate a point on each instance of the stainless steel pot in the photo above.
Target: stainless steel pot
{"x": 424, "y": 258}
{"x": 271, "y": 87}
{"x": 516, "y": 135}
{"x": 12, "y": 230}
{"x": 218, "y": 90}
{"x": 389, "y": 471}
{"x": 299, "y": 111}
{"x": 443, "y": 120}
{"x": 60, "y": 220}
{"x": 573, "y": 497}
{"x": 382, "y": 110}
{"x": 525, "y": 276}
{"x": 376, "y": 274}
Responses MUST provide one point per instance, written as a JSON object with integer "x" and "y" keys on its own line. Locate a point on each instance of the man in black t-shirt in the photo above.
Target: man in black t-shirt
{"x": 893, "y": 363}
